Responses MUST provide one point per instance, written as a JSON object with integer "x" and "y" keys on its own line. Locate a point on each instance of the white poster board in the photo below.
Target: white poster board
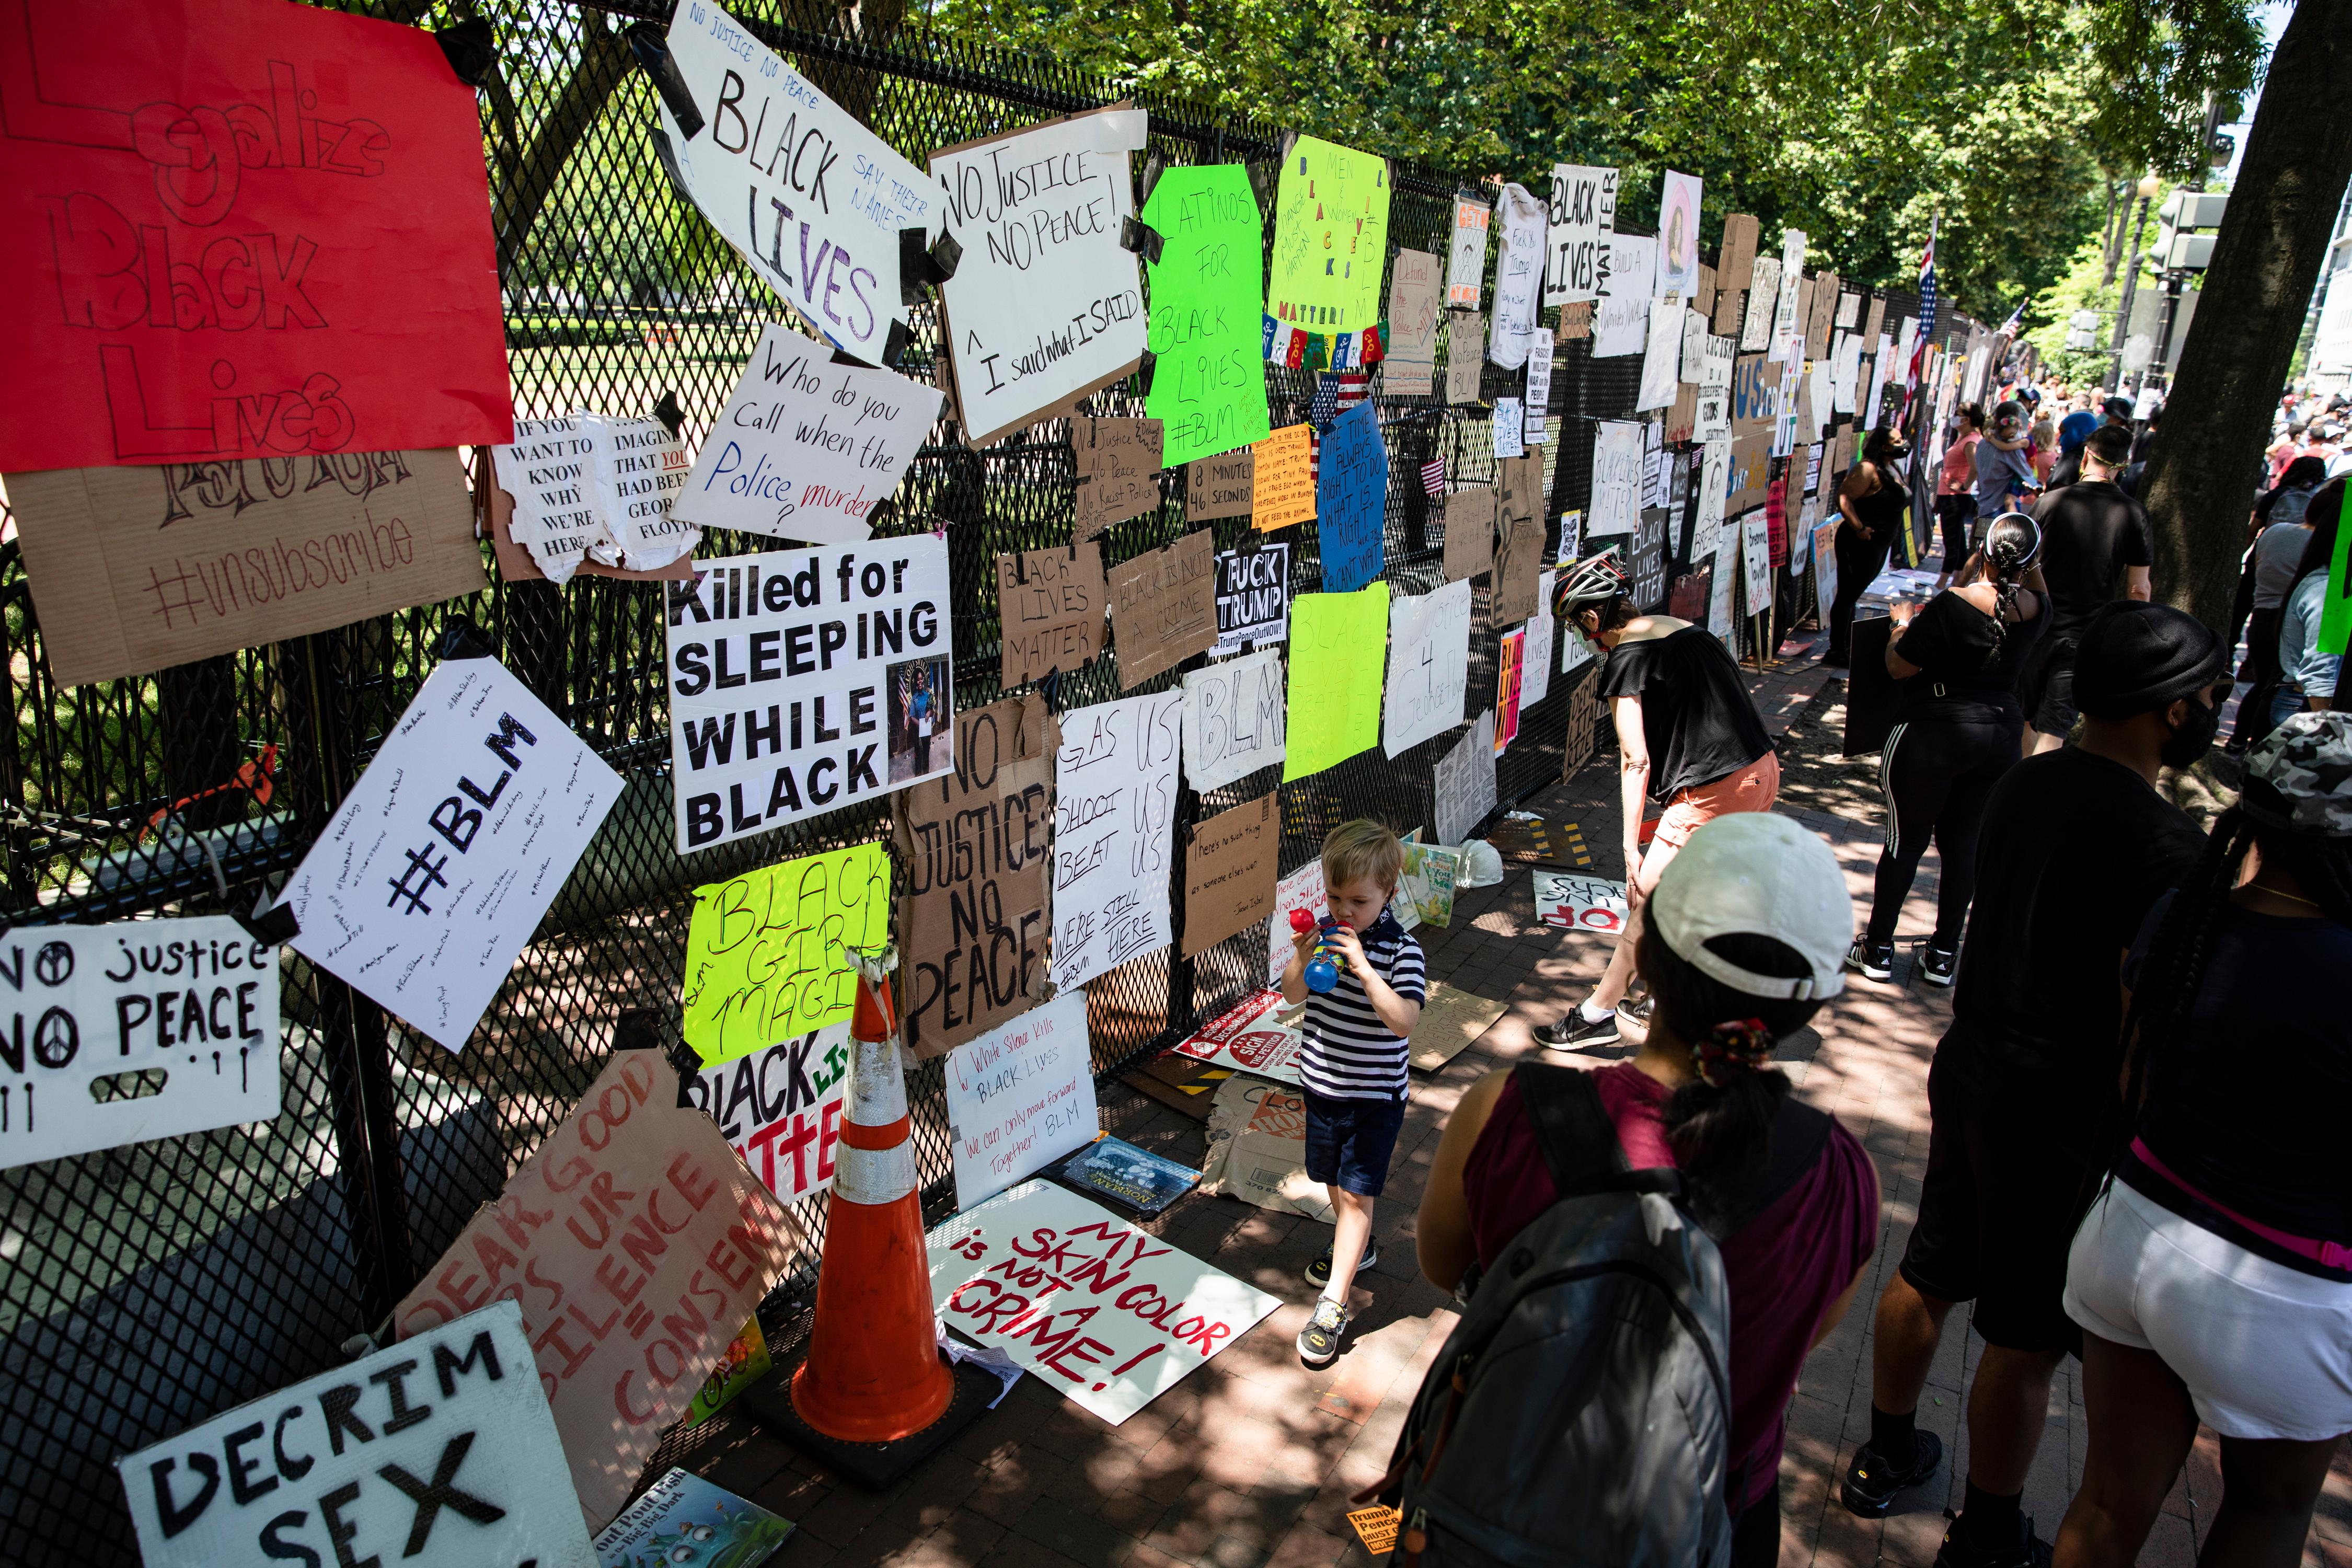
{"x": 1756, "y": 559}
{"x": 439, "y": 1451}
{"x": 1508, "y": 429}
{"x": 1428, "y": 682}
{"x": 1233, "y": 718}
{"x": 471, "y": 814}
{"x": 806, "y": 445}
{"x": 1518, "y": 277}
{"x": 809, "y": 196}
{"x": 1580, "y": 903}
{"x": 1465, "y": 783}
{"x": 1582, "y": 218}
{"x": 1114, "y": 810}
{"x": 1714, "y": 488}
{"x": 1785, "y": 324}
{"x": 1539, "y": 399}
{"x": 1619, "y": 468}
{"x": 1465, "y": 257}
{"x": 1620, "y": 322}
{"x": 780, "y": 1109}
{"x": 1825, "y": 579}
{"x": 1252, "y": 1035}
{"x": 1020, "y": 1097}
{"x": 1097, "y": 1306}
{"x": 1721, "y": 597}
{"x": 1045, "y": 305}
{"x": 1302, "y": 889}
{"x": 1535, "y": 673}
{"x": 805, "y": 681}
{"x": 1662, "y": 355}
{"x": 1677, "y": 264}
{"x": 195, "y": 1000}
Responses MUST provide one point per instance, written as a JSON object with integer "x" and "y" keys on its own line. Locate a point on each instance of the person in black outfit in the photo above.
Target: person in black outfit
{"x": 2095, "y": 541}
{"x": 1956, "y": 734}
{"x": 1873, "y": 501}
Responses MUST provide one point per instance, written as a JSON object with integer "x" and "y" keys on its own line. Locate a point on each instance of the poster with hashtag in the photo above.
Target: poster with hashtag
{"x": 438, "y": 865}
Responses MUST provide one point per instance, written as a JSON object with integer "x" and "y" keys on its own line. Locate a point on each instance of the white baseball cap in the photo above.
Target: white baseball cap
{"x": 1754, "y": 873}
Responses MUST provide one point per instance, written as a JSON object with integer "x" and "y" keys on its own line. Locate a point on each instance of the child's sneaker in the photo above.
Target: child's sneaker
{"x": 1318, "y": 1341}
{"x": 1319, "y": 1273}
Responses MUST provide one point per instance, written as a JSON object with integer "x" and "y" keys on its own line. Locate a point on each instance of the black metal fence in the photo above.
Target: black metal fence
{"x": 146, "y": 1287}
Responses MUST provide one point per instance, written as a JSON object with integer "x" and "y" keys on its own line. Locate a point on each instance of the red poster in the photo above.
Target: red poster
{"x": 246, "y": 228}
{"x": 1776, "y": 521}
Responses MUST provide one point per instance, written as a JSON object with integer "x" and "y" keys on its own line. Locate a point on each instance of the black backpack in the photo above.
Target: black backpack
{"x": 1580, "y": 1413}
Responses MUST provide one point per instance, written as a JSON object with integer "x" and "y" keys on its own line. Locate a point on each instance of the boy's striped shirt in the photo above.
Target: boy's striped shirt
{"x": 1345, "y": 1051}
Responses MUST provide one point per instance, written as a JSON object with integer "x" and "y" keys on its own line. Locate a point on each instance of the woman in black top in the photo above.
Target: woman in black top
{"x": 1958, "y": 733}
{"x": 1871, "y": 501}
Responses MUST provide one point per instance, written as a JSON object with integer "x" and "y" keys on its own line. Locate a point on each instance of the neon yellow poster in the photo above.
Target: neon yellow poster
{"x": 1337, "y": 646}
{"x": 763, "y": 958}
{"x": 1331, "y": 238}
{"x": 1208, "y": 390}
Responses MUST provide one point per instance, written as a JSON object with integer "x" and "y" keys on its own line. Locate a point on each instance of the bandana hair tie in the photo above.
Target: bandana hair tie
{"x": 1741, "y": 1045}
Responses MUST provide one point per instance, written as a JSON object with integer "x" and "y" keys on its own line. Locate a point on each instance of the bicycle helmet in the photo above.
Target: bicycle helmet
{"x": 1595, "y": 580}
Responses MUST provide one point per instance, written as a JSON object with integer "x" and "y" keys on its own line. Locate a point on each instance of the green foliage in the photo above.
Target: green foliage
{"x": 2160, "y": 58}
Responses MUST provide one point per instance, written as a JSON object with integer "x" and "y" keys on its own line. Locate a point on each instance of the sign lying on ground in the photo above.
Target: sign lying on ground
{"x": 780, "y": 1109}
{"x": 1019, "y": 1098}
{"x": 1257, "y": 1149}
{"x": 1580, "y": 903}
{"x": 1252, "y": 1033}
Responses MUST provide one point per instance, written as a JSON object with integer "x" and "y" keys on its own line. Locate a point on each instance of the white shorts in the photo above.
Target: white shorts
{"x": 2266, "y": 1350}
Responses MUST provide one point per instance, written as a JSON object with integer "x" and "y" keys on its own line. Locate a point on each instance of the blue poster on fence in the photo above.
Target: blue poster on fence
{"x": 1351, "y": 490}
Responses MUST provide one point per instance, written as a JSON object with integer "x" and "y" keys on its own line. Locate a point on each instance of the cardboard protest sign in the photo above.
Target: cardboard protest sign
{"x": 976, "y": 912}
{"x": 1751, "y": 462}
{"x": 1233, "y": 719}
{"x": 1677, "y": 264}
{"x": 820, "y": 225}
{"x": 1518, "y": 562}
{"x": 806, "y": 444}
{"x": 1579, "y": 902}
{"x": 1163, "y": 607}
{"x": 1045, "y": 305}
{"x": 1351, "y": 487}
{"x": 1466, "y": 267}
{"x": 473, "y": 846}
{"x": 1050, "y": 606}
{"x": 1084, "y": 1299}
{"x": 1413, "y": 291}
{"x": 633, "y": 1213}
{"x": 1119, "y": 463}
{"x": 1335, "y": 678}
{"x": 1331, "y": 238}
{"x": 1618, "y": 473}
{"x": 1113, "y": 831}
{"x": 214, "y": 196}
{"x": 136, "y": 569}
{"x": 1755, "y": 391}
{"x": 516, "y": 563}
{"x": 1465, "y": 355}
{"x": 780, "y": 1109}
{"x": 1302, "y": 889}
{"x": 1734, "y": 260}
{"x": 1583, "y": 217}
{"x": 1620, "y": 320}
{"x": 763, "y": 949}
{"x": 1257, "y": 1149}
{"x": 1518, "y": 277}
{"x": 1518, "y": 486}
{"x": 1208, "y": 386}
{"x": 1219, "y": 487}
{"x": 1283, "y": 478}
{"x": 1464, "y": 782}
{"x": 193, "y": 1002}
{"x": 854, "y": 640}
{"x": 1429, "y": 667}
{"x": 440, "y": 1450}
{"x": 1820, "y": 320}
{"x": 1469, "y": 532}
{"x": 1253, "y": 597}
{"x": 1019, "y": 1098}
{"x": 1229, "y": 873}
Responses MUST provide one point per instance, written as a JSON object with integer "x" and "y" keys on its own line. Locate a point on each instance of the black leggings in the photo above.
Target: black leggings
{"x": 1859, "y": 562}
{"x": 1937, "y": 774}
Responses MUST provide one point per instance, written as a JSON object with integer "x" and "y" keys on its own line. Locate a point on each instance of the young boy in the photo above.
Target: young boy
{"x": 1352, "y": 1058}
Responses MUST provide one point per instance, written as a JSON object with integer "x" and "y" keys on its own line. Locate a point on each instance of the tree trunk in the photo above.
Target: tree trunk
{"x": 2266, "y": 260}
{"x": 2116, "y": 212}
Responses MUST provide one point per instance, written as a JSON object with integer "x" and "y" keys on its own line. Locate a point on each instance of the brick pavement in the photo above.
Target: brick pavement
{"x": 1250, "y": 1460}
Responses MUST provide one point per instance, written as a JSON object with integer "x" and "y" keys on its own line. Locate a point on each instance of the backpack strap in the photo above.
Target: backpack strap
{"x": 1579, "y": 1140}
{"x": 1799, "y": 1135}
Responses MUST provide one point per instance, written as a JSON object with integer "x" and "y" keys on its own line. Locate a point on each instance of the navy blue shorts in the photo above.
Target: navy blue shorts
{"x": 1348, "y": 1142}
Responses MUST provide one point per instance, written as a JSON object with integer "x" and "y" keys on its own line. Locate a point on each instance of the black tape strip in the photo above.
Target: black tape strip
{"x": 652, "y": 50}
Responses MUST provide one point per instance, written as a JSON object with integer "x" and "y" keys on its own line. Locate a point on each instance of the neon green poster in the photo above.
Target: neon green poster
{"x": 1339, "y": 645}
{"x": 1331, "y": 238}
{"x": 763, "y": 959}
{"x": 1208, "y": 390}
{"x": 2335, "y": 619}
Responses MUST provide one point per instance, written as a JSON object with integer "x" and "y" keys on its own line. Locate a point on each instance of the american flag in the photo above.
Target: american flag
{"x": 1927, "y": 316}
{"x": 1432, "y": 476}
{"x": 1335, "y": 392}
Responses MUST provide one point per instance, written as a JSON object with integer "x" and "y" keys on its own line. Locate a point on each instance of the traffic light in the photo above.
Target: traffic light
{"x": 2178, "y": 246}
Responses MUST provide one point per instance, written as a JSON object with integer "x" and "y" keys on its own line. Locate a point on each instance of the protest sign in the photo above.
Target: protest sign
{"x": 1519, "y": 487}
{"x": 1735, "y": 260}
{"x": 1820, "y": 320}
{"x": 1509, "y": 429}
{"x": 1425, "y": 888}
{"x": 584, "y": 488}
{"x": 633, "y": 1205}
{"x": 1233, "y": 719}
{"x": 471, "y": 870}
{"x": 1714, "y": 486}
{"x": 1648, "y": 567}
{"x": 1045, "y": 305}
{"x": 1720, "y": 589}
{"x": 1465, "y": 268}
{"x": 178, "y": 1018}
{"x": 220, "y": 191}
{"x": 1518, "y": 560}
{"x": 1257, "y": 1149}
{"x": 1163, "y": 607}
{"x": 763, "y": 958}
{"x": 1507, "y": 665}
{"x": 1050, "y": 608}
{"x": 1219, "y": 487}
{"x": 1429, "y": 667}
{"x": 1583, "y": 217}
{"x": 519, "y": 563}
{"x": 1113, "y": 829}
{"x": 136, "y": 569}
{"x": 1019, "y": 1098}
{"x": 1620, "y": 320}
{"x": 1229, "y": 873}
{"x": 1580, "y": 903}
{"x": 1538, "y": 390}
{"x": 1469, "y": 532}
{"x": 820, "y": 227}
{"x": 1677, "y": 265}
{"x": 1084, "y": 1300}
{"x": 1465, "y": 355}
{"x": 1464, "y": 782}
{"x": 1518, "y": 277}
{"x": 1661, "y": 356}
{"x": 1750, "y": 472}
{"x": 1331, "y": 238}
{"x": 1754, "y": 388}
{"x": 1693, "y": 363}
{"x": 1825, "y": 578}
{"x": 858, "y": 631}
{"x": 1785, "y": 324}
{"x": 806, "y": 444}
{"x": 1534, "y": 682}
{"x": 780, "y": 1109}
{"x": 1302, "y": 889}
{"x": 1618, "y": 473}
{"x": 1252, "y": 1035}
{"x": 1208, "y": 387}
{"x": 1414, "y": 288}
{"x": 459, "y": 1405}
{"x": 1351, "y": 487}
{"x": 1334, "y": 677}
{"x": 1252, "y": 598}
{"x": 1763, "y": 299}
{"x": 1283, "y": 478}
{"x": 1117, "y": 463}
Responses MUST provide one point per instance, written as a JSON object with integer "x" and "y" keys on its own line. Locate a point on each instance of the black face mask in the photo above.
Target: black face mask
{"x": 2194, "y": 737}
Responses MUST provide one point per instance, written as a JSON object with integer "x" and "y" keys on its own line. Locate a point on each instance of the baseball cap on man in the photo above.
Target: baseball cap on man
{"x": 1753, "y": 873}
{"x": 2136, "y": 658}
{"x": 2118, "y": 408}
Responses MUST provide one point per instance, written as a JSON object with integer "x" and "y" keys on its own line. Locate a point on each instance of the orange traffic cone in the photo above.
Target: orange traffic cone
{"x": 873, "y": 1372}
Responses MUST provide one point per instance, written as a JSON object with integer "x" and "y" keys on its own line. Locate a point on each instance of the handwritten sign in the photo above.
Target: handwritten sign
{"x": 1722, "y": 589}
{"x": 1233, "y": 719}
{"x": 802, "y": 682}
{"x": 1464, "y": 782}
{"x": 1429, "y": 667}
{"x": 1302, "y": 889}
{"x": 1209, "y": 385}
{"x": 1251, "y": 1035}
{"x": 1509, "y": 428}
{"x": 1465, "y": 355}
{"x": 1229, "y": 873}
{"x": 1756, "y": 557}
{"x": 1826, "y": 577}
{"x": 1516, "y": 564}
{"x": 1284, "y": 479}
{"x": 1580, "y": 903}
{"x": 472, "y": 850}
{"x": 1351, "y": 489}
{"x": 1253, "y": 597}
{"x": 806, "y": 445}
{"x": 1413, "y": 290}
{"x": 1469, "y": 532}
{"x": 1518, "y": 277}
{"x": 1583, "y": 218}
{"x": 1335, "y": 678}
{"x": 1117, "y": 462}
{"x": 1019, "y": 1098}
{"x": 1113, "y": 830}
{"x": 1750, "y": 472}
{"x": 762, "y": 950}
{"x": 1084, "y": 1300}
{"x": 634, "y": 1214}
{"x": 1508, "y": 664}
{"x": 1650, "y": 558}
{"x": 1618, "y": 473}
{"x": 1661, "y": 356}
{"x": 1620, "y": 320}
{"x": 780, "y": 1109}
{"x": 1163, "y": 607}
{"x": 1735, "y": 261}
{"x": 1539, "y": 403}
{"x": 1331, "y": 238}
{"x": 1763, "y": 295}
{"x": 1535, "y": 680}
{"x": 440, "y": 1450}
{"x": 1219, "y": 487}
{"x": 1466, "y": 256}
{"x": 1050, "y": 605}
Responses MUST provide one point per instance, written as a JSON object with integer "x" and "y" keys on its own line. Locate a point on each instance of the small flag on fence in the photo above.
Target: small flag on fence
{"x": 1432, "y": 476}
